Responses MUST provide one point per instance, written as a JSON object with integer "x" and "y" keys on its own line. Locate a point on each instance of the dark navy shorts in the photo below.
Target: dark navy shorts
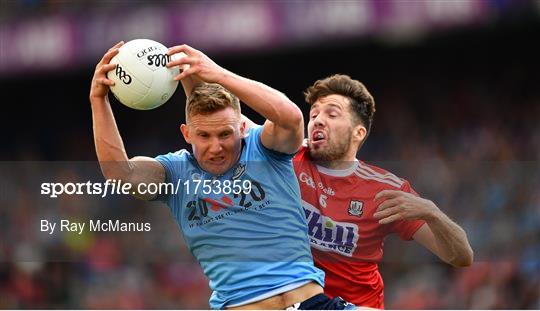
{"x": 323, "y": 302}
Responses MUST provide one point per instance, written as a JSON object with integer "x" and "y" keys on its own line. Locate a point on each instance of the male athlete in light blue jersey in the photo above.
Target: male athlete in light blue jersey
{"x": 246, "y": 228}
{"x": 238, "y": 202}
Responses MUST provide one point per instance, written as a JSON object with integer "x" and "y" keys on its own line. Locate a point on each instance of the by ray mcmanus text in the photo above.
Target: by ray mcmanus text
{"x": 79, "y": 227}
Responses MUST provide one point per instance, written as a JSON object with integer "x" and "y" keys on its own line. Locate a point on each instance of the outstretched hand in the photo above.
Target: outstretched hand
{"x": 200, "y": 65}
{"x": 100, "y": 84}
{"x": 398, "y": 205}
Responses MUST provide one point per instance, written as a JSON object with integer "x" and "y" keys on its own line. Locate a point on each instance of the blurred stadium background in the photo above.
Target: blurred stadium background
{"x": 458, "y": 111}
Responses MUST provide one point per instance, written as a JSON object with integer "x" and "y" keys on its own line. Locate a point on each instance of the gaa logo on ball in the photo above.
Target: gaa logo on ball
{"x": 141, "y": 79}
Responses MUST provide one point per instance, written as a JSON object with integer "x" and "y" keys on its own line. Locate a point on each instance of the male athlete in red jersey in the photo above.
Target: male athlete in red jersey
{"x": 351, "y": 206}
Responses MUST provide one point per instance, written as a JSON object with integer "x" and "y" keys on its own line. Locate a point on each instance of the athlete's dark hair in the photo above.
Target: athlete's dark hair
{"x": 362, "y": 103}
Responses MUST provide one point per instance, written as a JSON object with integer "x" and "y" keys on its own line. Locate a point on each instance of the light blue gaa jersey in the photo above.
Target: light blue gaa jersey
{"x": 253, "y": 244}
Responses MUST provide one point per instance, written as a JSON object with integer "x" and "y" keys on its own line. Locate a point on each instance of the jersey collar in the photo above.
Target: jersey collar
{"x": 338, "y": 173}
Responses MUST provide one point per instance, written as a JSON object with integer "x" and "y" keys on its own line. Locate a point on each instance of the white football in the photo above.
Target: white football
{"x": 141, "y": 79}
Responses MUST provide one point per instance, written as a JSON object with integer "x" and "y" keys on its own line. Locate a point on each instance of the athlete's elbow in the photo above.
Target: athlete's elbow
{"x": 293, "y": 117}
{"x": 296, "y": 114}
{"x": 469, "y": 258}
{"x": 464, "y": 259}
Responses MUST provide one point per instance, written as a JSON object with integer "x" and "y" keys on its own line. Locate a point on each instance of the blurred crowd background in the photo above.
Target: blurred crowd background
{"x": 458, "y": 111}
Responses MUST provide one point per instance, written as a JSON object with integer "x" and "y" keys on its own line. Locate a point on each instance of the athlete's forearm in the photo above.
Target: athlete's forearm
{"x": 112, "y": 155}
{"x": 268, "y": 102}
{"x": 451, "y": 239}
{"x": 110, "y": 149}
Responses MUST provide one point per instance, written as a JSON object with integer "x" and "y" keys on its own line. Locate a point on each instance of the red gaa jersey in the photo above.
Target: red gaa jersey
{"x": 346, "y": 241}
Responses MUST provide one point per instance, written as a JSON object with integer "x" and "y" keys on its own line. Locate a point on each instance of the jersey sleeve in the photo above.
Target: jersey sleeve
{"x": 407, "y": 228}
{"x": 255, "y": 138}
{"x": 175, "y": 165}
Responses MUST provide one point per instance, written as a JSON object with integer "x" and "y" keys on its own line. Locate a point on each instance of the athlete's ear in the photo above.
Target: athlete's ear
{"x": 359, "y": 133}
{"x": 185, "y": 131}
{"x": 243, "y": 128}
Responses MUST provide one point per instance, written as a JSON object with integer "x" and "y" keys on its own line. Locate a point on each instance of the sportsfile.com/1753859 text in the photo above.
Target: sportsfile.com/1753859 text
{"x": 117, "y": 187}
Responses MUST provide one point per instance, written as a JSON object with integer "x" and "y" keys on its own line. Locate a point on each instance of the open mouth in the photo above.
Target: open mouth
{"x": 318, "y": 137}
{"x": 217, "y": 160}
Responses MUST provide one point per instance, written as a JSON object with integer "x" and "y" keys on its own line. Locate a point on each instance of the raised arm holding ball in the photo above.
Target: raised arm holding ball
{"x": 110, "y": 150}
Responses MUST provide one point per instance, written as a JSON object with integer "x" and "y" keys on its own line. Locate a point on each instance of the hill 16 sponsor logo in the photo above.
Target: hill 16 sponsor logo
{"x": 328, "y": 235}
